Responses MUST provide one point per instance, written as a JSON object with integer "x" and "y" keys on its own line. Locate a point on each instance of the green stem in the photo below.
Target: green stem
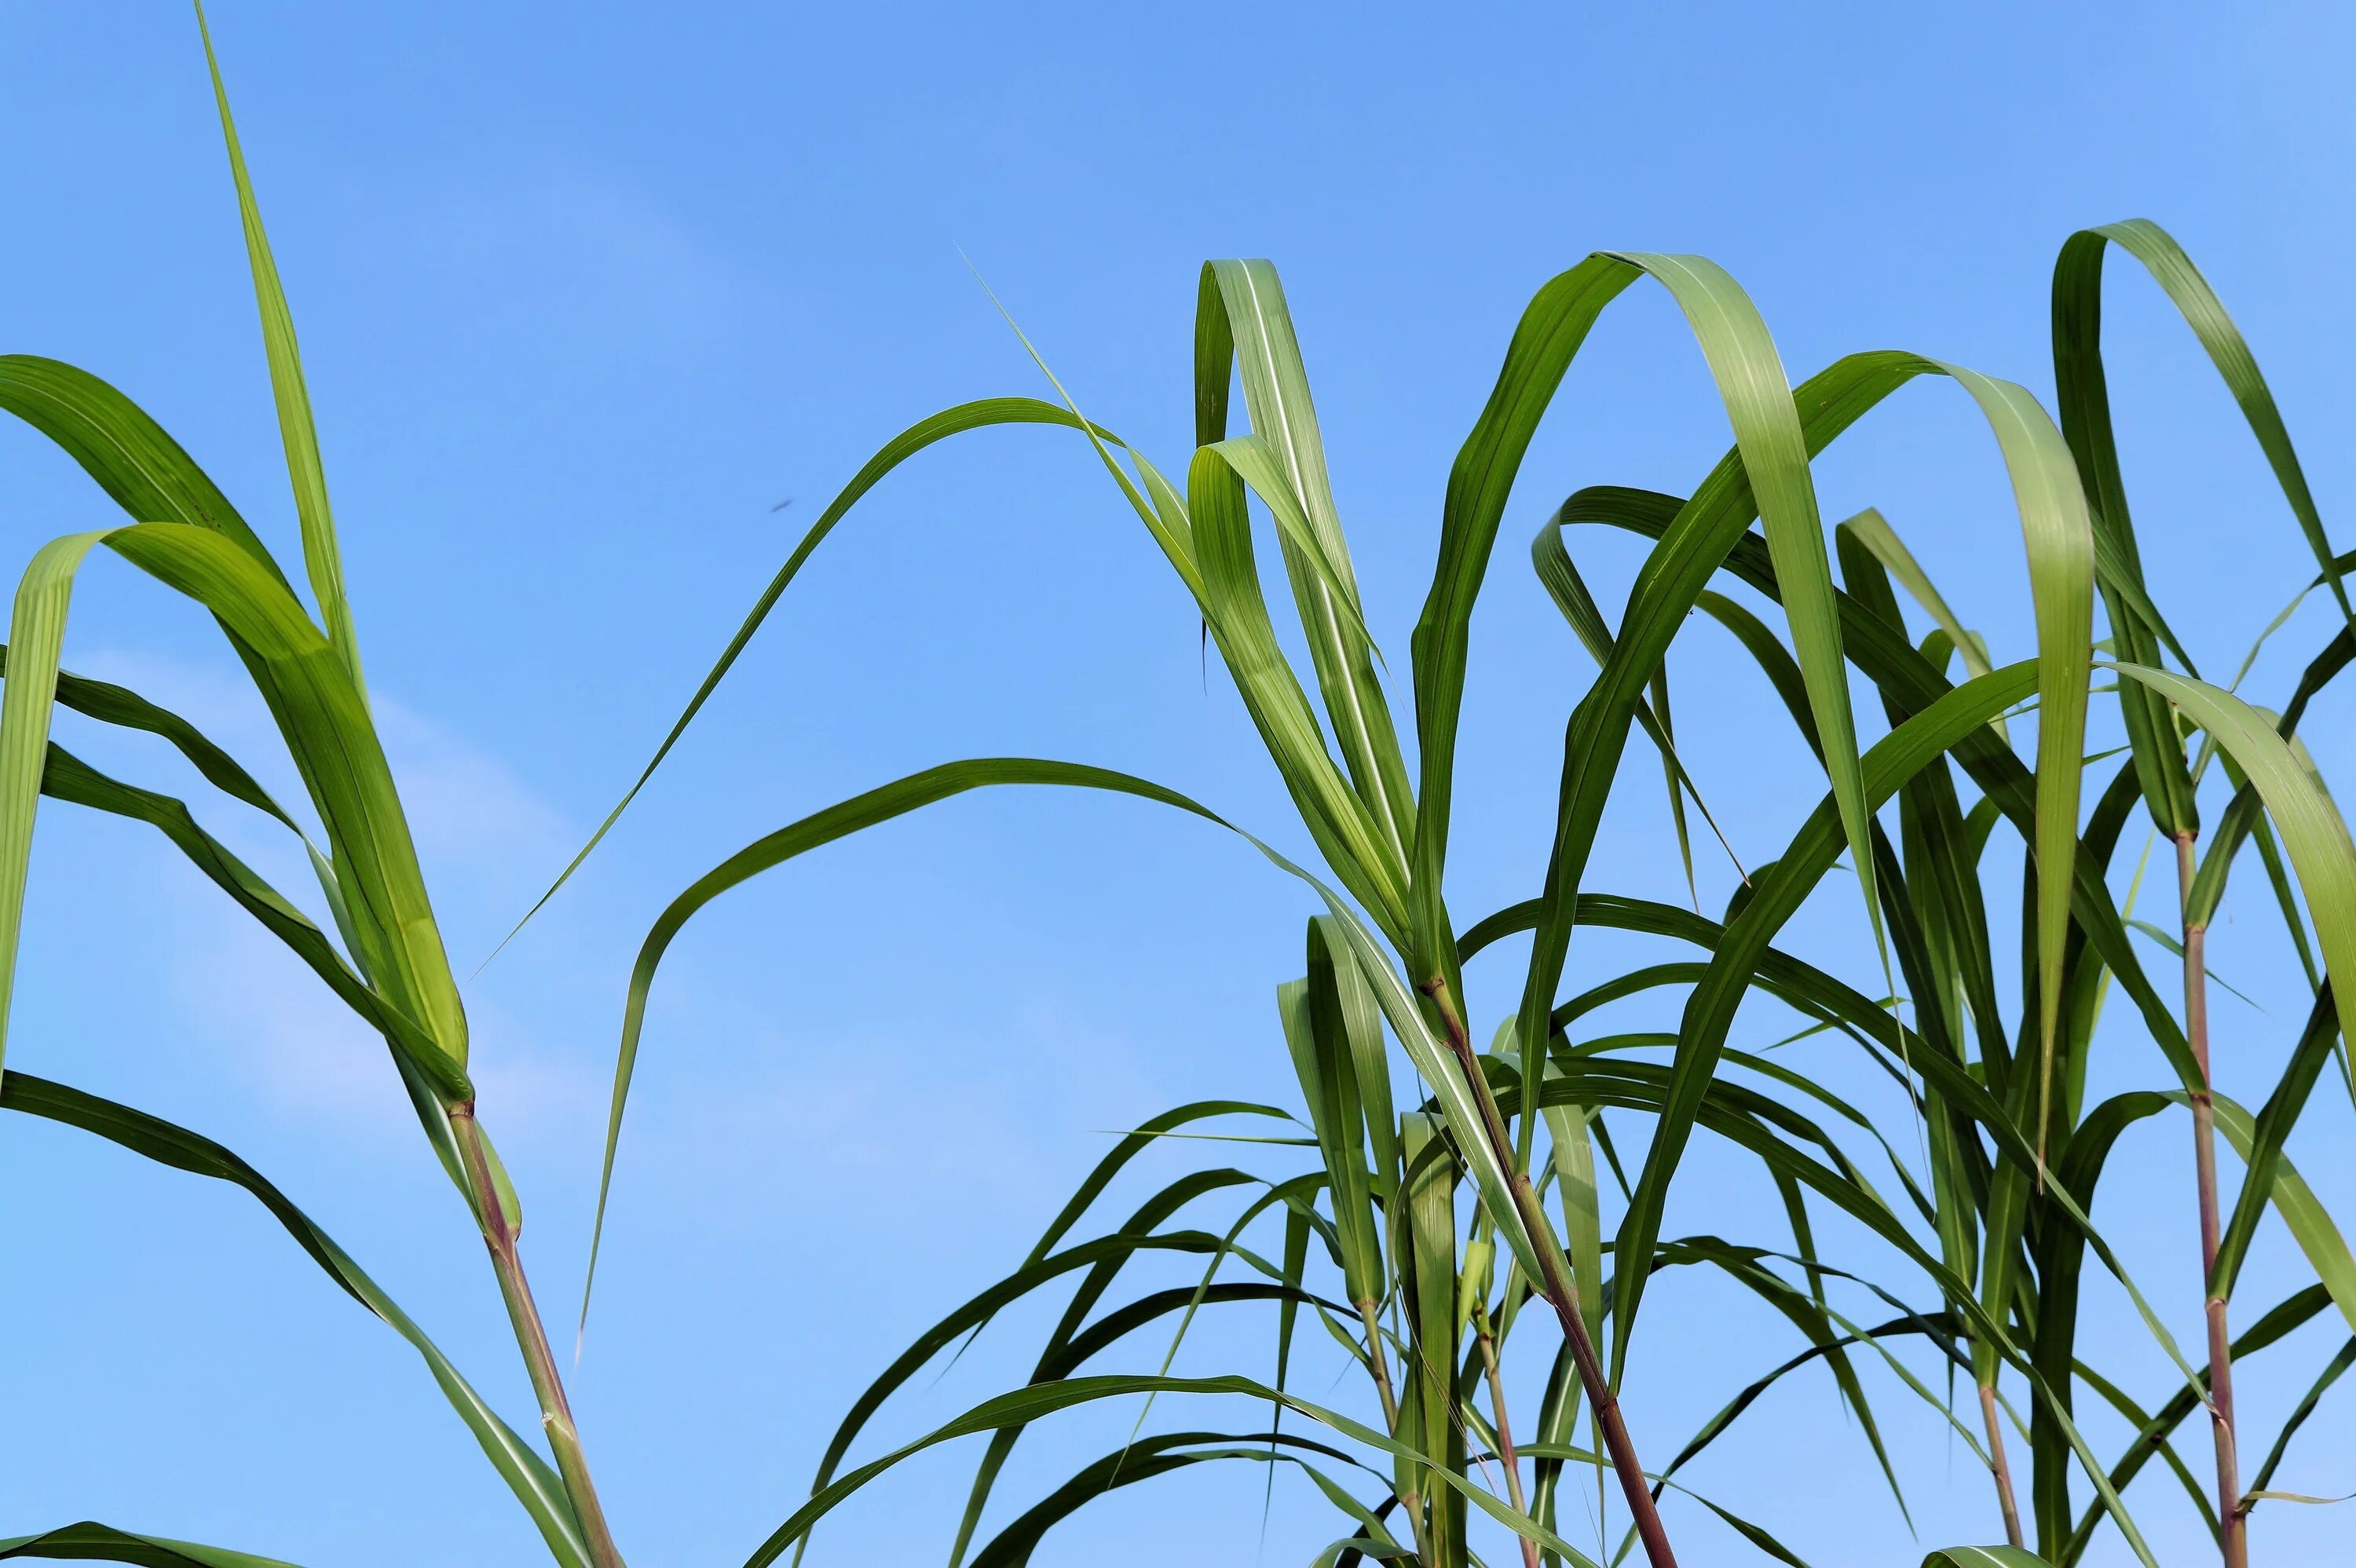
{"x": 531, "y": 1337}
{"x": 1410, "y": 1499}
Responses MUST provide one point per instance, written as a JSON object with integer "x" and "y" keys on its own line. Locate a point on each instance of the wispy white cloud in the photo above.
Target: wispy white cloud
{"x": 484, "y": 835}
{"x": 554, "y": 247}
{"x": 472, "y": 813}
{"x": 944, "y": 1124}
{"x": 749, "y": 1114}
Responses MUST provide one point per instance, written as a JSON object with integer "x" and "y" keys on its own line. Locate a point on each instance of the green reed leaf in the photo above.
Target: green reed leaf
{"x": 322, "y": 555}
{"x": 325, "y": 722}
{"x": 528, "y": 1476}
{"x": 92, "y": 1542}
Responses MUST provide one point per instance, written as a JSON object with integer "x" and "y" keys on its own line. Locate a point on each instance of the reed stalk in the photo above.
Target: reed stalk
{"x": 2232, "y": 1522}
{"x": 1410, "y": 1499}
{"x": 1560, "y": 1292}
{"x": 1505, "y": 1455}
{"x": 532, "y": 1338}
{"x": 1379, "y": 826}
{"x": 1999, "y": 1467}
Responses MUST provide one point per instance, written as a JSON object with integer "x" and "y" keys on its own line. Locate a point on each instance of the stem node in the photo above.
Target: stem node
{"x": 531, "y": 1337}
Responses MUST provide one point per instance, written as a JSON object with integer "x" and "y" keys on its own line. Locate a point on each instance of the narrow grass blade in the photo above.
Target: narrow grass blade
{"x": 2332, "y": 1373}
{"x": 1031, "y": 1403}
{"x": 1582, "y": 1223}
{"x": 2137, "y": 633}
{"x": 1549, "y": 334}
{"x": 2077, "y": 312}
{"x": 1397, "y": 1003}
{"x": 116, "y": 443}
{"x": 528, "y": 1476}
{"x": 1142, "y": 1461}
{"x": 1773, "y": 448}
{"x": 126, "y": 710}
{"x": 1254, "y": 331}
{"x": 1717, "y": 1426}
{"x": 324, "y": 720}
{"x": 2060, "y": 536}
{"x": 2262, "y": 1144}
{"x": 2153, "y": 1431}
{"x": 2314, "y": 836}
{"x": 1564, "y": 585}
{"x": 896, "y": 799}
{"x": 1353, "y": 842}
{"x": 36, "y": 628}
{"x": 980, "y": 414}
{"x": 322, "y": 555}
{"x": 1426, "y": 1234}
{"x": 92, "y": 1541}
{"x": 1873, "y": 531}
{"x": 2303, "y": 1214}
{"x": 2162, "y": 938}
{"x": 1140, "y": 1237}
{"x": 1317, "y": 1035}
{"x": 67, "y": 778}
{"x": 1131, "y": 1145}
{"x": 1264, "y": 463}
{"x": 1075, "y": 1341}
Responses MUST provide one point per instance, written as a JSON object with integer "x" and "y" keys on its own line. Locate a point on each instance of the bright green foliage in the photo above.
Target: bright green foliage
{"x": 386, "y": 960}
{"x": 1426, "y": 1197}
{"x": 1993, "y": 1209}
{"x": 104, "y": 1542}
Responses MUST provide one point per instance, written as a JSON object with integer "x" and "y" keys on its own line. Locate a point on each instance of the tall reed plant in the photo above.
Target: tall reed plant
{"x": 1437, "y": 1200}
{"x": 1990, "y": 1206}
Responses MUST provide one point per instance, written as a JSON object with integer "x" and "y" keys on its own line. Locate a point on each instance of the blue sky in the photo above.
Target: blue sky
{"x": 585, "y": 291}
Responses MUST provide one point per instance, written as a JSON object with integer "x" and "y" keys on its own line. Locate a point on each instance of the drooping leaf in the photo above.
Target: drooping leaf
{"x": 325, "y": 722}
{"x": 528, "y": 1476}
{"x": 981, "y": 414}
{"x": 92, "y": 1542}
{"x": 1033, "y": 1404}
{"x": 116, "y": 443}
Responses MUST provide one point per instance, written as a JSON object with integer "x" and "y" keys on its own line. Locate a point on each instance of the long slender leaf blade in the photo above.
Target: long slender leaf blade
{"x": 2229, "y": 351}
{"x": 92, "y": 1542}
{"x": 896, "y": 799}
{"x": 2314, "y": 836}
{"x": 1346, "y": 831}
{"x": 118, "y": 444}
{"x": 1256, "y": 326}
{"x": 2058, "y": 533}
{"x": 980, "y": 414}
{"x": 2309, "y": 1223}
{"x": 324, "y": 722}
{"x": 528, "y": 1476}
{"x": 37, "y": 629}
{"x": 1549, "y": 336}
{"x": 1773, "y": 447}
{"x": 1031, "y": 1404}
{"x": 322, "y": 555}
